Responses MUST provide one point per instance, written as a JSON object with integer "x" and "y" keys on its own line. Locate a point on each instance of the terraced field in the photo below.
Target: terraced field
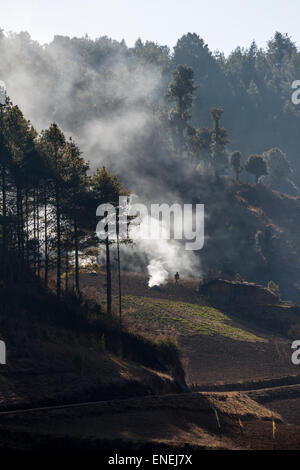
{"x": 215, "y": 347}
{"x": 185, "y": 318}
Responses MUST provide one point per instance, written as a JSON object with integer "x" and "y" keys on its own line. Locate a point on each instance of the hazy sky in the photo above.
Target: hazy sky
{"x": 223, "y": 24}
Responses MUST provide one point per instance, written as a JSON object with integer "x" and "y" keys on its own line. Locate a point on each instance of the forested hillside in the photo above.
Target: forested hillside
{"x": 87, "y": 313}
{"x": 182, "y": 126}
{"x": 113, "y": 97}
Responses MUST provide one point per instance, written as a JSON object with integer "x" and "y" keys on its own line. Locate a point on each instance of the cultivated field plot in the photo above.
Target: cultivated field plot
{"x": 215, "y": 347}
{"x": 183, "y": 318}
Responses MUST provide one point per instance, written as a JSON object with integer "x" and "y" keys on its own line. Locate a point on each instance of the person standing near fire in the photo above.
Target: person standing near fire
{"x": 176, "y": 276}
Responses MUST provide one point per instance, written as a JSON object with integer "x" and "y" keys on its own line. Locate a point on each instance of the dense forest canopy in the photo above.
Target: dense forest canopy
{"x": 166, "y": 125}
{"x": 112, "y": 98}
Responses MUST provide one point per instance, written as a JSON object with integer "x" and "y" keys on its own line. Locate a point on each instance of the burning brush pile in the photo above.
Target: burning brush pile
{"x": 158, "y": 275}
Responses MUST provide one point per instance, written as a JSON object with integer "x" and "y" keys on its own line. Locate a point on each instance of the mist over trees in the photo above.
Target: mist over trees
{"x": 112, "y": 98}
{"x": 166, "y": 125}
{"x": 48, "y": 202}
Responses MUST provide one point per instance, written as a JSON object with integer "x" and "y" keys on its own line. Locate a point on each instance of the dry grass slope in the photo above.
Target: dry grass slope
{"x": 182, "y": 318}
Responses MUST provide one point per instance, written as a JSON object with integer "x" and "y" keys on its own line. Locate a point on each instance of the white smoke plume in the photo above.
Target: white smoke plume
{"x": 164, "y": 256}
{"x": 158, "y": 275}
{"x": 108, "y": 110}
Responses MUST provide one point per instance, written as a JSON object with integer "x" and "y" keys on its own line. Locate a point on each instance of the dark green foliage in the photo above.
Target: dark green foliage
{"x": 107, "y": 188}
{"x": 252, "y": 85}
{"x": 212, "y": 88}
{"x": 264, "y": 245}
{"x": 279, "y": 171}
{"x": 48, "y": 202}
{"x": 47, "y": 197}
{"x": 256, "y": 165}
{"x": 181, "y": 91}
{"x": 274, "y": 287}
{"x": 281, "y": 47}
{"x": 235, "y": 161}
{"x": 219, "y": 139}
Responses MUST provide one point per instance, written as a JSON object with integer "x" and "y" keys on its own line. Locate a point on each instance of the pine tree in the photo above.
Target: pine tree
{"x": 256, "y": 165}
{"x": 219, "y": 139}
{"x": 52, "y": 142}
{"x": 180, "y": 92}
{"x": 107, "y": 189}
{"x": 75, "y": 180}
{"x": 235, "y": 161}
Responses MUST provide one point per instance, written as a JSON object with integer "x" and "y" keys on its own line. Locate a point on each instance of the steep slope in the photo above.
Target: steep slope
{"x": 186, "y": 421}
{"x": 69, "y": 351}
{"x": 217, "y": 345}
{"x": 251, "y": 232}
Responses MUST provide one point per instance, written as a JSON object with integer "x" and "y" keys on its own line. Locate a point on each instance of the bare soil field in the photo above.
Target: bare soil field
{"x": 215, "y": 347}
{"x": 217, "y": 350}
{"x": 216, "y": 360}
{"x": 192, "y": 421}
{"x": 288, "y": 409}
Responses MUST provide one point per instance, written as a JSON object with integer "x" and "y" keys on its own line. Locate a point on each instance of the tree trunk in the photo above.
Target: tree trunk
{"x": 119, "y": 268}
{"x": 38, "y": 235}
{"x": 34, "y": 231}
{"x": 18, "y": 194}
{"x": 4, "y": 211}
{"x": 46, "y": 238}
{"x": 27, "y": 227}
{"x": 22, "y": 229}
{"x": 77, "y": 286}
{"x": 58, "y": 235}
{"x": 108, "y": 276}
{"x": 67, "y": 272}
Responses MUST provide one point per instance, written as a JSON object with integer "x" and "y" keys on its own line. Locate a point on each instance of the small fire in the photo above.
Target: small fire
{"x": 158, "y": 274}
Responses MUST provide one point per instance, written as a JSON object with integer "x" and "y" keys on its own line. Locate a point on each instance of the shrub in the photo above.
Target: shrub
{"x": 274, "y": 287}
